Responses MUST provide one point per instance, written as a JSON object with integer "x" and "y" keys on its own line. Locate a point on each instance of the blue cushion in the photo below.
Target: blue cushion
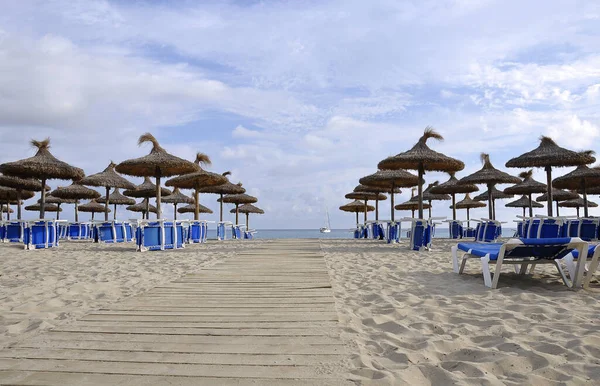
{"x": 591, "y": 250}
{"x": 548, "y": 241}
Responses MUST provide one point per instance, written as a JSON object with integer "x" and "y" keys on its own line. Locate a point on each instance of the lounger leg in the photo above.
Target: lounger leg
{"x": 497, "y": 272}
{"x": 454, "y": 250}
{"x": 487, "y": 275}
{"x": 580, "y": 267}
{"x": 591, "y": 270}
{"x": 463, "y": 263}
{"x": 569, "y": 261}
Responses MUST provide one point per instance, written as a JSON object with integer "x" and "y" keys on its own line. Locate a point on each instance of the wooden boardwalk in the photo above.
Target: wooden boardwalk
{"x": 265, "y": 317}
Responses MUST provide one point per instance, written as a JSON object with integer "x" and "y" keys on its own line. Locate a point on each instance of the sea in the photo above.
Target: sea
{"x": 440, "y": 232}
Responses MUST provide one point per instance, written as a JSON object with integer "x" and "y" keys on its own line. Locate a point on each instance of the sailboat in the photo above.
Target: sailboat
{"x": 326, "y": 229}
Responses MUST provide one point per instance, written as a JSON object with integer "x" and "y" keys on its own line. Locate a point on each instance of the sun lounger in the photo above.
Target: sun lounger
{"x": 14, "y": 231}
{"x": 520, "y": 252}
{"x": 221, "y": 229}
{"x": 582, "y": 272}
{"x": 455, "y": 229}
{"x": 41, "y": 234}
{"x": 159, "y": 235}
{"x": 393, "y": 232}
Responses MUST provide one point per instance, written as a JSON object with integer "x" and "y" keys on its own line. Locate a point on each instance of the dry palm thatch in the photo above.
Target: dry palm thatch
{"x": 43, "y": 166}
{"x": 378, "y": 190}
{"x": 577, "y": 203}
{"x": 238, "y": 199}
{"x": 20, "y": 185}
{"x": 5, "y": 209}
{"x": 146, "y": 190}
{"x": 523, "y": 202}
{"x": 247, "y": 209}
{"x": 429, "y": 196}
{"x": 490, "y": 176}
{"x": 468, "y": 204}
{"x": 452, "y": 187}
{"x": 579, "y": 179}
{"x": 496, "y": 195}
{"x": 177, "y": 198}
{"x": 357, "y": 207}
{"x": 557, "y": 196}
{"x": 50, "y": 199}
{"x": 547, "y": 155}
{"x": 366, "y": 196}
{"x": 226, "y": 188}
{"x": 191, "y": 208}
{"x": 422, "y": 158}
{"x": 157, "y": 164}
{"x": 49, "y": 208}
{"x": 107, "y": 179}
{"x": 412, "y": 205}
{"x": 528, "y": 186}
{"x": 116, "y": 198}
{"x": 76, "y": 192}
{"x": 390, "y": 180}
{"x": 143, "y": 207}
{"x": 92, "y": 207}
{"x": 198, "y": 179}
{"x": 14, "y": 195}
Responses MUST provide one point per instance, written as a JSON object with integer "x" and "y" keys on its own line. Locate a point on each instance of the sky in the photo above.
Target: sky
{"x": 299, "y": 99}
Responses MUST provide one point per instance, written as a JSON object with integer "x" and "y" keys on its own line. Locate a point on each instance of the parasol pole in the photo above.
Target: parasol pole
{"x": 115, "y": 214}
{"x": 247, "y": 221}
{"x": 578, "y": 212}
{"x": 356, "y": 218}
{"x": 197, "y": 205}
{"x": 430, "y": 208}
{"x": 530, "y": 207}
{"x": 365, "y": 211}
{"x": 549, "y": 184}
{"x": 392, "y": 196}
{"x": 468, "y": 219}
{"x": 557, "y": 210}
{"x": 43, "y": 202}
{"x": 490, "y": 204}
{"x": 585, "y": 200}
{"x": 377, "y": 208}
{"x": 106, "y": 203}
{"x": 175, "y": 212}
{"x": 58, "y": 211}
{"x": 237, "y": 213}
{"x": 76, "y": 211}
{"x": 420, "y": 193}
{"x": 147, "y": 214}
{"x": 221, "y": 207}
{"x": 7, "y": 210}
{"x": 453, "y": 206}
{"x": 158, "y": 212}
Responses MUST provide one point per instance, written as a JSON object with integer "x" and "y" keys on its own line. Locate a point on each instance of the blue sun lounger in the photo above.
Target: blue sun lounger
{"x": 41, "y": 234}
{"x": 2, "y": 231}
{"x": 221, "y": 229}
{"x": 520, "y": 252}
{"x": 581, "y": 272}
{"x": 393, "y": 232}
{"x": 157, "y": 235}
{"x": 14, "y": 231}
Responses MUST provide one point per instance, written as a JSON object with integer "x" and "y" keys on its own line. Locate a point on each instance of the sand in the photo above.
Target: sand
{"x": 45, "y": 288}
{"x": 415, "y": 322}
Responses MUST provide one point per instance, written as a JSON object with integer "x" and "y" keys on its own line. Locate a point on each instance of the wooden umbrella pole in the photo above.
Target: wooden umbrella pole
{"x": 197, "y": 205}
{"x": 357, "y": 218}
{"x": 18, "y": 204}
{"x": 392, "y": 197}
{"x": 175, "y": 211}
{"x": 58, "y": 211}
{"x": 490, "y": 204}
{"x": 420, "y": 192}
{"x": 147, "y": 214}
{"x": 43, "y": 201}
{"x": 578, "y": 212}
{"x": 158, "y": 209}
{"x": 524, "y": 212}
{"x": 93, "y": 216}
{"x": 365, "y": 211}
{"x": 7, "y": 210}
{"x": 237, "y": 213}
{"x": 221, "y": 207}
{"x": 76, "y": 211}
{"x": 468, "y": 219}
{"x": 585, "y": 200}
{"x": 107, "y": 203}
{"x": 115, "y": 212}
{"x": 549, "y": 184}
{"x": 377, "y": 208}
{"x": 530, "y": 207}
{"x": 557, "y": 210}
{"x": 430, "y": 208}
{"x": 453, "y": 206}
{"x": 247, "y": 221}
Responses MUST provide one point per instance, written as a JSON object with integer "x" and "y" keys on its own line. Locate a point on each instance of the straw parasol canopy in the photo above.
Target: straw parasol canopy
{"x": 76, "y": 192}
{"x": 356, "y": 207}
{"x": 9, "y": 196}
{"x": 490, "y": 176}
{"x": 107, "y": 179}
{"x": 43, "y": 166}
{"x": 577, "y": 203}
{"x": 468, "y": 204}
{"x": 177, "y": 198}
{"x": 528, "y": 186}
{"x": 247, "y": 209}
{"x": 146, "y": 190}
{"x": 579, "y": 179}
{"x": 430, "y": 196}
{"x": 157, "y": 164}
{"x": 452, "y": 187}
{"x": 524, "y": 202}
{"x": 142, "y": 207}
{"x": 422, "y": 158}
{"x": 366, "y": 196}
{"x": 547, "y": 155}
{"x": 21, "y": 184}
{"x": 390, "y": 180}
{"x": 557, "y": 195}
{"x": 412, "y": 204}
{"x": 377, "y": 190}
{"x": 238, "y": 199}
{"x": 191, "y": 208}
{"x": 116, "y": 198}
{"x": 50, "y": 199}
{"x": 49, "y": 208}
{"x": 92, "y": 207}
{"x": 5, "y": 209}
{"x": 496, "y": 195}
{"x": 226, "y": 188}
{"x": 198, "y": 179}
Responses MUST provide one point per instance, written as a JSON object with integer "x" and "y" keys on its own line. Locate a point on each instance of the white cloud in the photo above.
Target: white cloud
{"x": 241, "y": 132}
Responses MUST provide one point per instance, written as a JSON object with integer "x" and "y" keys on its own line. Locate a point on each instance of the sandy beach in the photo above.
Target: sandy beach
{"x": 405, "y": 317}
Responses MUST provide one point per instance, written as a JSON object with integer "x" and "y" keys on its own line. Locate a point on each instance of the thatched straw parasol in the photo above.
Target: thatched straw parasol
{"x": 143, "y": 207}
{"x": 247, "y": 209}
{"x": 198, "y": 179}
{"x": 177, "y": 198}
{"x": 452, "y": 187}
{"x": 116, "y": 198}
{"x": 528, "y": 186}
{"x": 146, "y": 190}
{"x": 43, "y": 166}
{"x": 430, "y": 196}
{"x": 496, "y": 195}
{"x": 366, "y": 196}
{"x": 356, "y": 207}
{"x": 49, "y": 208}
{"x": 5, "y": 209}
{"x": 525, "y": 202}
{"x": 50, "y": 199}
{"x": 547, "y": 155}
{"x": 238, "y": 199}
{"x": 579, "y": 179}
{"x": 226, "y": 188}
{"x": 157, "y": 164}
{"x": 390, "y": 180}
{"x": 412, "y": 204}
{"x": 76, "y": 192}
{"x": 9, "y": 196}
{"x": 578, "y": 203}
{"x": 378, "y": 190}
{"x": 92, "y": 207}
{"x": 422, "y": 158}
{"x": 191, "y": 208}
{"x": 107, "y": 179}
{"x": 490, "y": 176}
{"x": 21, "y": 184}
{"x": 557, "y": 195}
{"x": 468, "y": 204}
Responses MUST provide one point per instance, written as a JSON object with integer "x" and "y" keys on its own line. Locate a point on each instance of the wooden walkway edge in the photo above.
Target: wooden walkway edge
{"x": 265, "y": 317}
